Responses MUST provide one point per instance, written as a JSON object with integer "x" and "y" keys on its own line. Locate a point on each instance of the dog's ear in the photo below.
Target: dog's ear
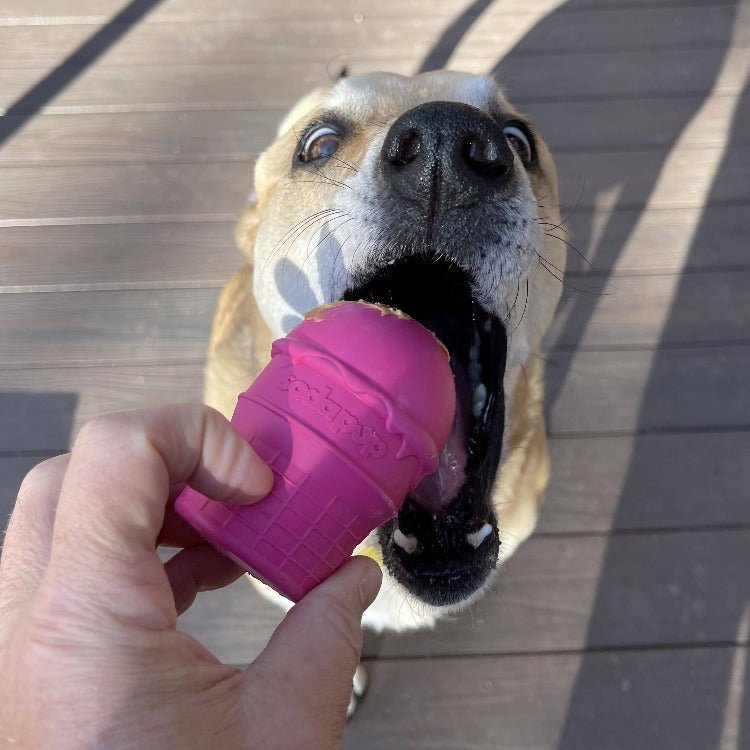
{"x": 247, "y": 228}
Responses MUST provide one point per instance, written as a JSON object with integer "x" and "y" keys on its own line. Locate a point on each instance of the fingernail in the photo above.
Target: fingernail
{"x": 369, "y": 584}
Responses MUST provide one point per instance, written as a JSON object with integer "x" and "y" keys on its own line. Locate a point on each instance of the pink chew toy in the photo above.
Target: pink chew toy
{"x": 351, "y": 413}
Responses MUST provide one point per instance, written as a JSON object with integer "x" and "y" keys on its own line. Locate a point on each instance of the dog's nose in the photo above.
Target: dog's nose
{"x": 446, "y": 154}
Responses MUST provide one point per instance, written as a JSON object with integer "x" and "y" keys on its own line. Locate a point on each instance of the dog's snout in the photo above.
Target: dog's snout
{"x": 446, "y": 154}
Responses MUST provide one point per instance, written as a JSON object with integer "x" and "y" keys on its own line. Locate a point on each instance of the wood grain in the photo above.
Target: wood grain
{"x": 45, "y": 12}
{"x": 570, "y": 592}
{"x": 199, "y": 253}
{"x": 673, "y": 389}
{"x": 647, "y": 311}
{"x": 622, "y": 391}
{"x": 608, "y": 483}
{"x": 640, "y": 123}
{"x": 240, "y": 134}
{"x": 168, "y": 323}
{"x": 76, "y": 194}
{"x": 276, "y": 85}
{"x": 131, "y": 326}
{"x": 43, "y": 408}
{"x": 720, "y": 239}
{"x": 561, "y": 594}
{"x": 314, "y": 38}
{"x": 143, "y": 136}
{"x": 647, "y": 481}
{"x": 85, "y": 193}
{"x": 610, "y": 701}
{"x": 117, "y": 256}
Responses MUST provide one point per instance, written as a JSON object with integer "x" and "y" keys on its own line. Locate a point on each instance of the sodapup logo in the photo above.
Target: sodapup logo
{"x": 341, "y": 420}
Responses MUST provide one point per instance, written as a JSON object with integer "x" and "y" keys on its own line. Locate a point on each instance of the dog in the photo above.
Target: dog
{"x": 434, "y": 195}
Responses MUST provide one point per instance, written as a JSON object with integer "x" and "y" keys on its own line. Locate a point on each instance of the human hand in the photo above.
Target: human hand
{"x": 90, "y": 656}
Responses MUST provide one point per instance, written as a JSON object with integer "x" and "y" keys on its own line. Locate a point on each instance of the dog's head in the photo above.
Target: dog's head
{"x": 431, "y": 194}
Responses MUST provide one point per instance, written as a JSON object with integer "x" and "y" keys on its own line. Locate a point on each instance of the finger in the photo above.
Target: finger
{"x": 198, "y": 569}
{"x": 28, "y": 539}
{"x": 319, "y": 644}
{"x": 113, "y": 499}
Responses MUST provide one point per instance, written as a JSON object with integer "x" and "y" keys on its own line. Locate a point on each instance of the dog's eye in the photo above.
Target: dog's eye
{"x": 320, "y": 143}
{"x": 519, "y": 140}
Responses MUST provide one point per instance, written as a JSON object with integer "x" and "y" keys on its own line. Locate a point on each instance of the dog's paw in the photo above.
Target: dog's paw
{"x": 359, "y": 686}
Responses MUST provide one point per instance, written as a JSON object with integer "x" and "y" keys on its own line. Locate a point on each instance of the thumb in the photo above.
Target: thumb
{"x": 311, "y": 657}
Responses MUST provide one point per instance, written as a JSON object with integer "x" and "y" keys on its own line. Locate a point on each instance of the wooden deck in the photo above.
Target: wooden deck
{"x": 126, "y": 140}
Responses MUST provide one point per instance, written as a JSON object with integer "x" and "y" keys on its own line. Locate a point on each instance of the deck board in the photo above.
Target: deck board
{"x": 230, "y": 42}
{"x": 712, "y": 395}
{"x": 122, "y": 255}
{"x": 620, "y": 701}
{"x": 556, "y": 78}
{"x": 106, "y": 323}
{"x": 241, "y": 133}
{"x": 117, "y": 256}
{"x": 660, "y": 589}
{"x": 624, "y": 621}
{"x": 677, "y": 389}
{"x": 684, "y": 480}
{"x": 145, "y": 325}
{"x": 216, "y": 189}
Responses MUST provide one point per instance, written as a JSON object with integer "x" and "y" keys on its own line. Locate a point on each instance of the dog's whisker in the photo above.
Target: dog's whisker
{"x": 294, "y": 231}
{"x": 331, "y": 231}
{"x": 551, "y": 269}
{"x": 338, "y": 183}
{"x": 336, "y": 260}
{"x": 549, "y": 263}
{"x": 299, "y": 226}
{"x": 513, "y": 306}
{"x": 552, "y": 225}
{"x": 523, "y": 313}
{"x": 570, "y": 246}
{"x": 311, "y": 225}
{"x": 346, "y": 164}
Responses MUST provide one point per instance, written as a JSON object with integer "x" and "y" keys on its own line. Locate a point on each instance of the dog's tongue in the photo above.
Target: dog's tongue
{"x": 435, "y": 491}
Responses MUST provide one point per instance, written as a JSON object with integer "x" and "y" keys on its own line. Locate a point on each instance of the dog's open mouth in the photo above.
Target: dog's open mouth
{"x": 444, "y": 541}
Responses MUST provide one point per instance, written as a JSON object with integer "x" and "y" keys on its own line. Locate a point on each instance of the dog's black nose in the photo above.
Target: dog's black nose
{"x": 445, "y": 154}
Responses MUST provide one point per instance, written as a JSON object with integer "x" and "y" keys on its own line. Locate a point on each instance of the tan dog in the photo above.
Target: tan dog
{"x": 433, "y": 194}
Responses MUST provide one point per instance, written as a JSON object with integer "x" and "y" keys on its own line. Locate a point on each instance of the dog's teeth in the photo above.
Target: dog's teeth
{"x": 407, "y": 542}
{"x": 478, "y": 537}
{"x": 479, "y": 399}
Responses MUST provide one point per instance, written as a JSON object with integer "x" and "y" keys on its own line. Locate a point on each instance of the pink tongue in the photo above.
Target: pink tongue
{"x": 435, "y": 491}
